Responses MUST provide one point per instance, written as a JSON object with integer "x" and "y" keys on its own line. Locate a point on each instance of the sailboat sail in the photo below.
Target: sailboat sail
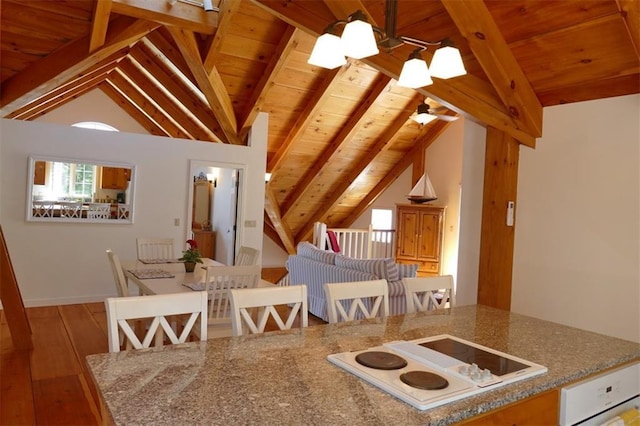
{"x": 423, "y": 191}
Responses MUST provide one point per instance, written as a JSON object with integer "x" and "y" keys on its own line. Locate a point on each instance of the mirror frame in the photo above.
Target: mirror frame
{"x": 30, "y": 184}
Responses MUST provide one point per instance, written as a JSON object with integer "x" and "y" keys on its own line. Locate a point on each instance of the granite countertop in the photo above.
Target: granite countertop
{"x": 285, "y": 378}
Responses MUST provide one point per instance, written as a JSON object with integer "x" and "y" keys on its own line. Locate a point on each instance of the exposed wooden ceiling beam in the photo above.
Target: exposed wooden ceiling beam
{"x": 356, "y": 120}
{"x": 270, "y": 232}
{"x": 144, "y": 54}
{"x": 228, "y": 9}
{"x": 467, "y": 94}
{"x": 383, "y": 143}
{"x": 43, "y": 103}
{"x": 272, "y": 210}
{"x": 138, "y": 75}
{"x": 210, "y": 84}
{"x": 321, "y": 95}
{"x": 423, "y": 141}
{"x": 101, "y": 14}
{"x": 476, "y": 24}
{"x": 163, "y": 43}
{"x": 288, "y": 42}
{"x": 62, "y": 95}
{"x": 191, "y": 18}
{"x": 630, "y": 10}
{"x": 145, "y": 103}
{"x": 125, "y": 103}
{"x": 58, "y": 67}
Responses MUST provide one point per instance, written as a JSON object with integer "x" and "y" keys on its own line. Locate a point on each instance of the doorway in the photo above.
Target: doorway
{"x": 220, "y": 215}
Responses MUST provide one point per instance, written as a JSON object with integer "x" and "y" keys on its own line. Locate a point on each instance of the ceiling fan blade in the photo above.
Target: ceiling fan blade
{"x": 447, "y": 117}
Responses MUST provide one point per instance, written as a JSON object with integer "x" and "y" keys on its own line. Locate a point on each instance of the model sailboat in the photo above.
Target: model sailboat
{"x": 423, "y": 191}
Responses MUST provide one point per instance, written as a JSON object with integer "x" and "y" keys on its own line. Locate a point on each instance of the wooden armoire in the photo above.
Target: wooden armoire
{"x": 419, "y": 235}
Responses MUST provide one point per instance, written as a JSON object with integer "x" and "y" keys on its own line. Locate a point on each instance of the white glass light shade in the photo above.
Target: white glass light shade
{"x": 422, "y": 115}
{"x": 447, "y": 63}
{"x": 414, "y": 74}
{"x": 423, "y": 118}
{"x": 358, "y": 40}
{"x": 327, "y": 52}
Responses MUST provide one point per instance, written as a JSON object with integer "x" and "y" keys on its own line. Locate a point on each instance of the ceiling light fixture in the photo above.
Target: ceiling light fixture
{"x": 358, "y": 41}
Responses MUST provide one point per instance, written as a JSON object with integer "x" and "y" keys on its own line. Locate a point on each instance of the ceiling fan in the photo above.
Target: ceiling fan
{"x": 427, "y": 113}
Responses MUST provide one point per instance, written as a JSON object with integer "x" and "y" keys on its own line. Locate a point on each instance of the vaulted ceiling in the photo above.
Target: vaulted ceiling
{"x": 337, "y": 138}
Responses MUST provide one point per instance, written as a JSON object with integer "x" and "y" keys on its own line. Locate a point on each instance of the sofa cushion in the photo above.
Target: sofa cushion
{"x": 396, "y": 288}
{"x": 384, "y": 268}
{"x": 308, "y": 250}
{"x": 406, "y": 270}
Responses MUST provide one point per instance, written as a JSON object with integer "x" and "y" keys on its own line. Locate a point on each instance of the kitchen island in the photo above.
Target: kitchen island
{"x": 284, "y": 377}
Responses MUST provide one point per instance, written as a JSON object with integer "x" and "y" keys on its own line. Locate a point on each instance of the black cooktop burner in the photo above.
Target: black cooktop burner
{"x": 381, "y": 360}
{"x": 424, "y": 380}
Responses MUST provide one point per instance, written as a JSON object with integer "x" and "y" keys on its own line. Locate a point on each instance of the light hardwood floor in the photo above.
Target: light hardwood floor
{"x": 50, "y": 385}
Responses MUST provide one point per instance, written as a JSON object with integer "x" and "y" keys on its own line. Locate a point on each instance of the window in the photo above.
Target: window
{"x": 71, "y": 181}
{"x": 382, "y": 219}
{"x": 95, "y": 126}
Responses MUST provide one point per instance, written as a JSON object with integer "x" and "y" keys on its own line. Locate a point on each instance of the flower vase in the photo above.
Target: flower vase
{"x": 189, "y": 266}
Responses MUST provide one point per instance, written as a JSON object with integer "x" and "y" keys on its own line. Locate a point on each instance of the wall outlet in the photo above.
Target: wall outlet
{"x": 176, "y": 221}
{"x": 250, "y": 224}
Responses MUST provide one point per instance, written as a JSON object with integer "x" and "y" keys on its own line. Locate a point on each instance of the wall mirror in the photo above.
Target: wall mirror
{"x": 81, "y": 191}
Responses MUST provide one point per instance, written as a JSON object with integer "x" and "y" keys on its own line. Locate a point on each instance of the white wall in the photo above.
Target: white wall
{"x": 577, "y": 235}
{"x": 66, "y": 263}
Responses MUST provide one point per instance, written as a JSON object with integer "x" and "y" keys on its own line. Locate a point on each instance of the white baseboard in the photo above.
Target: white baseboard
{"x": 34, "y": 303}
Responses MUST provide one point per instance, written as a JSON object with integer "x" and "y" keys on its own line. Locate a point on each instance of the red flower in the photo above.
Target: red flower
{"x": 192, "y": 244}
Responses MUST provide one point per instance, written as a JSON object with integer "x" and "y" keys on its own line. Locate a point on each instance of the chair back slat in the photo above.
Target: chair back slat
{"x": 155, "y": 248}
{"x": 366, "y": 298}
{"x": 426, "y": 293}
{"x": 220, "y": 280}
{"x": 122, "y": 310}
{"x": 244, "y": 301}
{"x": 122, "y": 286}
{"x": 247, "y": 256}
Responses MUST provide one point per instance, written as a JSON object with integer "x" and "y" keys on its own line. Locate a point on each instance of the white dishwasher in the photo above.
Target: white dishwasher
{"x": 600, "y": 399}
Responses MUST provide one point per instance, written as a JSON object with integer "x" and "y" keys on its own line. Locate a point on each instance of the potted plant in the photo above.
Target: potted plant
{"x": 191, "y": 256}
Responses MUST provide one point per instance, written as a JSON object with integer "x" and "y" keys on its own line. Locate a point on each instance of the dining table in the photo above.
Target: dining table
{"x": 166, "y": 277}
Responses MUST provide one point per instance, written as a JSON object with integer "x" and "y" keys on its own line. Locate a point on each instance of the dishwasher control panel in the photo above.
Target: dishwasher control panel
{"x": 600, "y": 395}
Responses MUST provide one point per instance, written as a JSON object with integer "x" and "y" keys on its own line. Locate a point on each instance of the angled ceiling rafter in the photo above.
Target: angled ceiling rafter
{"x": 272, "y": 209}
{"x": 210, "y": 84}
{"x": 138, "y": 76}
{"x": 355, "y": 122}
{"x": 426, "y": 137}
{"x": 383, "y": 143}
{"x": 630, "y": 11}
{"x": 466, "y": 95}
{"x": 68, "y": 62}
{"x": 146, "y": 104}
{"x": 288, "y": 42}
{"x": 43, "y": 103}
{"x": 144, "y": 54}
{"x": 270, "y": 232}
{"x": 228, "y": 9}
{"x": 476, "y": 24}
{"x": 313, "y": 105}
{"x": 161, "y": 42}
{"x": 99, "y": 24}
{"x": 130, "y": 108}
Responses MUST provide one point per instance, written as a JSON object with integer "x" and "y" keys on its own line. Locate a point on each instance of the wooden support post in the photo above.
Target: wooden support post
{"x": 12, "y": 301}
{"x": 497, "y": 238}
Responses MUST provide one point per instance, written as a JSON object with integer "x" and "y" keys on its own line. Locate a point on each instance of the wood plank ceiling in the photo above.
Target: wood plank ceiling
{"x": 337, "y": 138}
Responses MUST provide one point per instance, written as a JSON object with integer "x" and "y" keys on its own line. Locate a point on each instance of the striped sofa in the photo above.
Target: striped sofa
{"x": 315, "y": 267}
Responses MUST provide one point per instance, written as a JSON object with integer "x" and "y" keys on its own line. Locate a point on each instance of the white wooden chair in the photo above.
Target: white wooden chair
{"x": 266, "y": 298}
{"x": 99, "y": 211}
{"x": 358, "y": 292}
{"x": 155, "y": 248}
{"x": 123, "y": 211}
{"x": 70, "y": 209}
{"x": 247, "y": 256}
{"x": 219, "y": 280}
{"x": 122, "y": 286}
{"x": 121, "y": 310}
{"x": 43, "y": 208}
{"x": 426, "y": 293}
